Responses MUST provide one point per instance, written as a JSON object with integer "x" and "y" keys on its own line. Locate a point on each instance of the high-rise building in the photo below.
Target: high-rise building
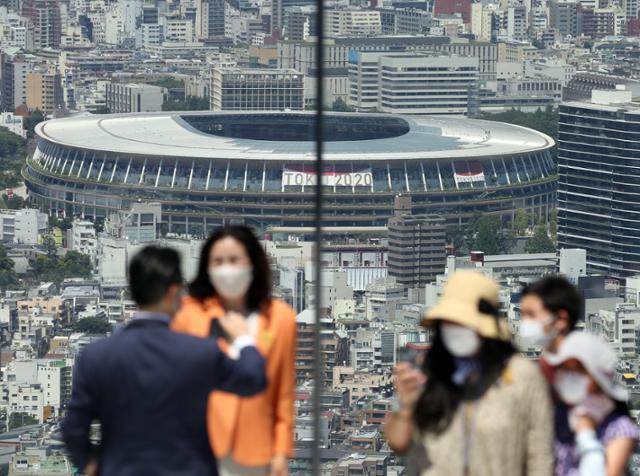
{"x": 44, "y": 92}
{"x": 599, "y": 181}
{"x": 210, "y": 18}
{"x": 45, "y": 18}
{"x": 412, "y": 83}
{"x": 14, "y": 81}
{"x": 416, "y": 245}
{"x": 279, "y": 10}
{"x": 237, "y": 89}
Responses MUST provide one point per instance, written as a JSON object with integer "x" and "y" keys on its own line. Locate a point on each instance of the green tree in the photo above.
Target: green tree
{"x": 540, "y": 241}
{"x": 32, "y": 121}
{"x": 545, "y": 121}
{"x": 64, "y": 223}
{"x": 488, "y": 237}
{"x": 76, "y": 265}
{"x": 191, "y": 103}
{"x": 49, "y": 245}
{"x": 8, "y": 276}
{"x": 167, "y": 82}
{"x": 92, "y": 325}
{"x": 521, "y": 222}
{"x": 19, "y": 419}
{"x": 457, "y": 238}
{"x": 553, "y": 223}
{"x": 16, "y": 202}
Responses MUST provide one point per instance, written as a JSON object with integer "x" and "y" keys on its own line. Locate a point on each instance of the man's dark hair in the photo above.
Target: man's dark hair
{"x": 152, "y": 272}
{"x": 259, "y": 293}
{"x": 557, "y": 294}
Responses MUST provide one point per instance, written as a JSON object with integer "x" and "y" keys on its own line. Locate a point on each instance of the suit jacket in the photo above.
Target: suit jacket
{"x": 252, "y": 429}
{"x": 148, "y": 388}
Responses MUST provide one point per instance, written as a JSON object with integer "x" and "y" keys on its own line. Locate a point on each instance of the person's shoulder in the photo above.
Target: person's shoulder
{"x": 523, "y": 370}
{"x": 282, "y": 312}
{"x": 619, "y": 425}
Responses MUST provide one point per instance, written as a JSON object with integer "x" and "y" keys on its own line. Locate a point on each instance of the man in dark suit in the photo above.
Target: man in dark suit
{"x": 148, "y": 386}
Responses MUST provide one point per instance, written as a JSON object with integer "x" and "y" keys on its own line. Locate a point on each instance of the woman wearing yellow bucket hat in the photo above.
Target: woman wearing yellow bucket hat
{"x": 483, "y": 410}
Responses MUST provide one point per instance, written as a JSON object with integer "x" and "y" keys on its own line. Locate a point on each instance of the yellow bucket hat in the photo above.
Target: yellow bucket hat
{"x": 470, "y": 299}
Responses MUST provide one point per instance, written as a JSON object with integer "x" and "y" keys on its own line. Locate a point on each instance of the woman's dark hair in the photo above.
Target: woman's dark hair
{"x": 259, "y": 293}
{"x": 441, "y": 397}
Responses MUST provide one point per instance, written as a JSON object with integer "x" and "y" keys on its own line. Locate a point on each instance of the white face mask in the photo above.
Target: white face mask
{"x": 572, "y": 387}
{"x": 460, "y": 341}
{"x": 532, "y": 333}
{"x": 231, "y": 282}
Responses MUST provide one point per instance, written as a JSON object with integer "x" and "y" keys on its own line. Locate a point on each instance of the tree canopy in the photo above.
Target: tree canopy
{"x": 540, "y": 242}
{"x": 191, "y": 103}
{"x": 92, "y": 325}
{"x": 51, "y": 268}
{"x": 8, "y": 276}
{"x": 545, "y": 121}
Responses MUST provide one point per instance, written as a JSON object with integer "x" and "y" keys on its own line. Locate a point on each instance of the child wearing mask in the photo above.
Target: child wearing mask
{"x": 479, "y": 409}
{"x": 602, "y": 435}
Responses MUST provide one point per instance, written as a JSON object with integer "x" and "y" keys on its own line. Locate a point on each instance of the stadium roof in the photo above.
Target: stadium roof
{"x": 170, "y": 134}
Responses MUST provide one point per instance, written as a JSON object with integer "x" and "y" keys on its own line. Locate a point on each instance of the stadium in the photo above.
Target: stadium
{"x": 210, "y": 168}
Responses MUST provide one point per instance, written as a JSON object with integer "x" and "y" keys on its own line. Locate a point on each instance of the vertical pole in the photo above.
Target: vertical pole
{"x": 318, "y": 373}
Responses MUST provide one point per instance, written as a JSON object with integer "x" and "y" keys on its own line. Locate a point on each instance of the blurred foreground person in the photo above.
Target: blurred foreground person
{"x": 250, "y": 436}
{"x": 550, "y": 308}
{"x": 148, "y": 386}
{"x": 602, "y": 435}
{"x": 482, "y": 410}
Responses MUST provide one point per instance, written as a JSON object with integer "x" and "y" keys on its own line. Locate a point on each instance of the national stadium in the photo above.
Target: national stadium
{"x": 209, "y": 168}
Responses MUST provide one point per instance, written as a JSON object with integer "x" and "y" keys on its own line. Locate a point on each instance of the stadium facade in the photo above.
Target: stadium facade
{"x": 258, "y": 168}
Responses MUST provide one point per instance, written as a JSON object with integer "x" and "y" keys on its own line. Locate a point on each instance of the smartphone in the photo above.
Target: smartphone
{"x": 409, "y": 355}
{"x": 216, "y": 331}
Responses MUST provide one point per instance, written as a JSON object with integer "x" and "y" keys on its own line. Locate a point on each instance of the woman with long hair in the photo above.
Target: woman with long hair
{"x": 475, "y": 408}
{"x": 249, "y": 436}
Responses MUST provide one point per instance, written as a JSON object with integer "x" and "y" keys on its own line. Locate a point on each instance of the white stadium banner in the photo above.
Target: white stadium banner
{"x": 332, "y": 176}
{"x": 467, "y": 172}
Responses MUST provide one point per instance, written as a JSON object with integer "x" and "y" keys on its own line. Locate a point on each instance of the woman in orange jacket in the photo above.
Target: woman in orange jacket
{"x": 249, "y": 436}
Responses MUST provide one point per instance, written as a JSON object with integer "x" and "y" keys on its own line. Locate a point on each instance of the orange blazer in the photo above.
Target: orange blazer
{"x": 252, "y": 429}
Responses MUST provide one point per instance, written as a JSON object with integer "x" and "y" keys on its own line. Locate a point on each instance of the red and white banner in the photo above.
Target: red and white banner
{"x": 332, "y": 176}
{"x": 467, "y": 172}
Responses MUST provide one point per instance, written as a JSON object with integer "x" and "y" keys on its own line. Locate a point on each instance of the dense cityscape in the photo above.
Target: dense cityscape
{"x": 491, "y": 136}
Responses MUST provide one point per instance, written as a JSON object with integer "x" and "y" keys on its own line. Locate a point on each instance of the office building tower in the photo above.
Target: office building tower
{"x": 412, "y": 83}
{"x": 237, "y": 89}
{"x": 44, "y": 92}
{"x": 210, "y": 19}
{"x": 599, "y": 181}
{"x": 44, "y": 15}
{"x": 416, "y": 246}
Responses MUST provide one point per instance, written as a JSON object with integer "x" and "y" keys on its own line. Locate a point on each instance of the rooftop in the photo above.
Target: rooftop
{"x": 255, "y": 136}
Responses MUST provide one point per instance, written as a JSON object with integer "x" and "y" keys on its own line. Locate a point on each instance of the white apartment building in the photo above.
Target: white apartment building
{"x": 178, "y": 30}
{"x": 26, "y": 398}
{"x": 152, "y": 34}
{"x": 412, "y": 83}
{"x": 620, "y": 327}
{"x": 381, "y": 299}
{"x": 366, "y": 349}
{"x": 352, "y": 22}
{"x": 53, "y": 376}
{"x": 134, "y": 97}
{"x": 22, "y": 226}
{"x": 82, "y": 238}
